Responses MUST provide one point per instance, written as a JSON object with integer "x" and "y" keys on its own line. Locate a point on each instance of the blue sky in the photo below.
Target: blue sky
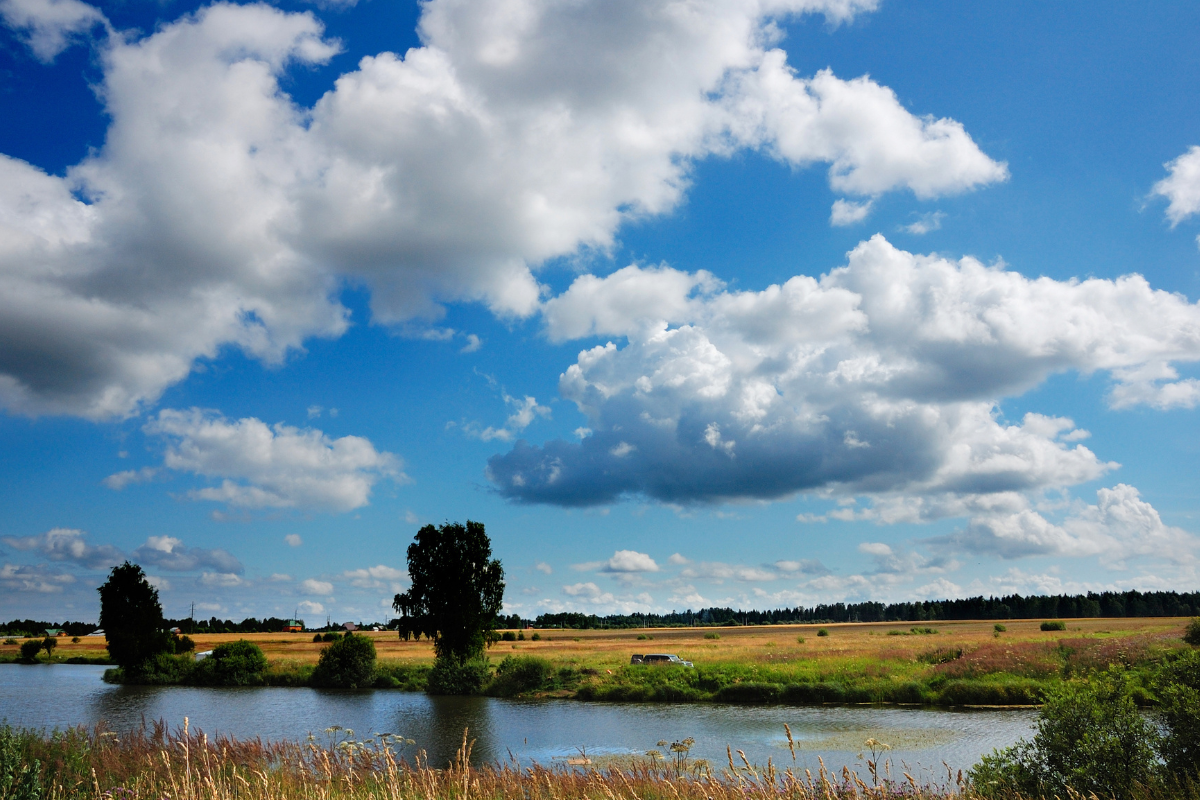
{"x": 692, "y": 303}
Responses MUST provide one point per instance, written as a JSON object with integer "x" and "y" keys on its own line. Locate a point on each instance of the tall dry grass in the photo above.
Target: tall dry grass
{"x": 155, "y": 764}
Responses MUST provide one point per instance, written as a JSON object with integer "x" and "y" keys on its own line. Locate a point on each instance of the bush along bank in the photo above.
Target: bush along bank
{"x": 348, "y": 662}
{"x": 1091, "y": 740}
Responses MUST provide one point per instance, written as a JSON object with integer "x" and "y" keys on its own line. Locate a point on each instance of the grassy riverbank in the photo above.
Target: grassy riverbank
{"x": 956, "y": 663}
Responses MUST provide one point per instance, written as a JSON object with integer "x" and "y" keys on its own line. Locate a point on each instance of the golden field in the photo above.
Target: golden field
{"x": 763, "y": 645}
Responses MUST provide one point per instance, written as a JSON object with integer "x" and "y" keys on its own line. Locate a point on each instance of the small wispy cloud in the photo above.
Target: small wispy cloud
{"x": 926, "y": 223}
{"x": 847, "y": 212}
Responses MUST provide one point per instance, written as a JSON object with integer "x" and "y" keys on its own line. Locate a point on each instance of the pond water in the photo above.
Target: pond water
{"x": 59, "y": 696}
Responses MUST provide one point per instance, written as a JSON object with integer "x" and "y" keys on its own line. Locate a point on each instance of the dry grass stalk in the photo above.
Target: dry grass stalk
{"x": 156, "y": 764}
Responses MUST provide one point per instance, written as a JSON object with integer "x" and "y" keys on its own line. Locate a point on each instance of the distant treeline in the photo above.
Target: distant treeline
{"x": 36, "y": 627}
{"x": 1013, "y": 606}
{"x": 248, "y": 625}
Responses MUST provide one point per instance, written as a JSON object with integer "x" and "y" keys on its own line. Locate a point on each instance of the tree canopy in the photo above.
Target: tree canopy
{"x": 131, "y": 617}
{"x": 457, "y": 590}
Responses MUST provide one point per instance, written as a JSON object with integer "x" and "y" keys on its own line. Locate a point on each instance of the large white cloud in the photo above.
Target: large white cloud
{"x": 219, "y": 214}
{"x": 262, "y": 466}
{"x": 879, "y": 377}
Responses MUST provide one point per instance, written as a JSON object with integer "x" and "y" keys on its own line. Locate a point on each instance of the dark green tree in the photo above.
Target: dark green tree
{"x": 457, "y": 590}
{"x": 132, "y": 618}
{"x": 48, "y": 644}
{"x": 29, "y": 650}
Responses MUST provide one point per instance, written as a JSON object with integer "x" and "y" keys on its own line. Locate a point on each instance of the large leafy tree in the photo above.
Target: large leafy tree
{"x": 457, "y": 590}
{"x": 131, "y": 617}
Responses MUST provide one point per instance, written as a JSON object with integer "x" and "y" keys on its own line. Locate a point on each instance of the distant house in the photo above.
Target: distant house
{"x": 350, "y": 626}
{"x": 176, "y": 631}
{"x": 97, "y": 632}
{"x": 55, "y": 632}
{"x": 294, "y": 626}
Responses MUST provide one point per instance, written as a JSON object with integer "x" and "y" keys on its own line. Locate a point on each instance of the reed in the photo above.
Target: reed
{"x": 155, "y": 763}
{"x": 188, "y": 765}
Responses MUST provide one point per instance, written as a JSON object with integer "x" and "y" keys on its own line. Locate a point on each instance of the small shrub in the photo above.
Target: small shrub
{"x": 29, "y": 650}
{"x": 347, "y": 663}
{"x": 822, "y": 632}
{"x": 576, "y": 639}
{"x": 519, "y": 675}
{"x": 508, "y": 636}
{"x": 922, "y": 631}
{"x": 183, "y": 644}
{"x": 712, "y": 636}
{"x": 520, "y": 636}
{"x": 1054, "y": 625}
{"x": 998, "y": 628}
{"x": 1191, "y": 634}
{"x": 454, "y": 677}
{"x": 10, "y": 641}
{"x": 239, "y": 663}
{"x": 799, "y": 640}
{"x": 163, "y": 669}
{"x": 329, "y": 637}
{"x": 942, "y": 655}
{"x": 643, "y": 637}
{"x": 316, "y": 637}
{"x": 74, "y": 640}
{"x": 536, "y": 636}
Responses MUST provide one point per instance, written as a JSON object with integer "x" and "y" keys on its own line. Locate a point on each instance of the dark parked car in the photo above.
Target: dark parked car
{"x": 660, "y": 660}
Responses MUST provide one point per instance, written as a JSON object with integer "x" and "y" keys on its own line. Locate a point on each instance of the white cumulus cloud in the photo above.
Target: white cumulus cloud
{"x": 622, "y": 562}
{"x": 1119, "y": 526}
{"x": 220, "y": 214}
{"x": 376, "y": 577}
{"x": 1181, "y": 187}
{"x": 847, "y": 212}
{"x": 262, "y": 466}
{"x": 879, "y": 377}
{"x": 313, "y": 586}
{"x": 310, "y": 607}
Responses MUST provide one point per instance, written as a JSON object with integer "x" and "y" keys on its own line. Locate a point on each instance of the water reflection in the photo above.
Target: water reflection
{"x": 62, "y": 696}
